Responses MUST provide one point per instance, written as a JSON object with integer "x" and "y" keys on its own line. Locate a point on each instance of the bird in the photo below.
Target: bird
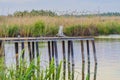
{"x": 60, "y": 32}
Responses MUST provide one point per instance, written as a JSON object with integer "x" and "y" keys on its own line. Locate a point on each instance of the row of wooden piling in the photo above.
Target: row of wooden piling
{"x": 53, "y": 54}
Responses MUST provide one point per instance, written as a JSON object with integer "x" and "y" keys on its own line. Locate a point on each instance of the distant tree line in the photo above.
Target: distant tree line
{"x": 110, "y": 14}
{"x": 34, "y": 13}
{"x": 89, "y": 14}
{"x": 51, "y": 13}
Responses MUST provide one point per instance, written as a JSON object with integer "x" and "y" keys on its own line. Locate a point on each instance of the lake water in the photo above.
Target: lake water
{"x": 108, "y": 55}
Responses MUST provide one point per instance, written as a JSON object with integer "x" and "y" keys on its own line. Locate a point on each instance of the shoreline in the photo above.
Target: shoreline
{"x": 111, "y": 36}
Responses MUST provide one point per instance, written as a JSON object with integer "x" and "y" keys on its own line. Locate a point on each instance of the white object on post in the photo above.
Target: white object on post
{"x": 60, "y": 32}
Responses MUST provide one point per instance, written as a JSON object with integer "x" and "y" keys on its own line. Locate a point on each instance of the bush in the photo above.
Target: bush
{"x": 51, "y": 31}
{"x": 38, "y": 29}
{"x": 13, "y": 31}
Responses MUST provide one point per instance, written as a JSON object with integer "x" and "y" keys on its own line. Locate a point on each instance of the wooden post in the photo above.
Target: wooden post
{"x": 1, "y": 53}
{"x": 88, "y": 57}
{"x": 38, "y": 58}
{"x": 83, "y": 60}
{"x": 49, "y": 52}
{"x": 69, "y": 70}
{"x": 95, "y": 59}
{"x": 23, "y": 54}
{"x": 72, "y": 56}
{"x": 56, "y": 58}
{"x": 56, "y": 53}
{"x": 30, "y": 53}
{"x": 33, "y": 50}
{"x": 16, "y": 53}
{"x": 53, "y": 76}
{"x": 37, "y": 49}
{"x": 64, "y": 60}
{"x": 94, "y": 52}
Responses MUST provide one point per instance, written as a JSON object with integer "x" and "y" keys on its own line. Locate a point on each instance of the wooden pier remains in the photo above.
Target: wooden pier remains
{"x": 68, "y": 61}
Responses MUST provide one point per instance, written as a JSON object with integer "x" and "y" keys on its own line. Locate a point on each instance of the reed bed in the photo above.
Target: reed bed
{"x": 48, "y": 26}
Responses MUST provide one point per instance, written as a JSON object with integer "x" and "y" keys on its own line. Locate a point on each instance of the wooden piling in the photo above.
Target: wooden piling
{"x": 53, "y": 53}
{"x": 30, "y": 52}
{"x": 56, "y": 53}
{"x": 88, "y": 57}
{"x": 22, "y": 46}
{"x": 49, "y": 52}
{"x": 1, "y": 51}
{"x": 72, "y": 57}
{"x": 83, "y": 60}
{"x": 37, "y": 49}
{"x": 33, "y": 50}
{"x": 56, "y": 58}
{"x": 38, "y": 58}
{"x": 94, "y": 52}
{"x": 69, "y": 69}
{"x": 16, "y": 53}
{"x": 64, "y": 60}
{"x": 52, "y": 49}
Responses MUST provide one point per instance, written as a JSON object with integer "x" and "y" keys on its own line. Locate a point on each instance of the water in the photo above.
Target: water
{"x": 108, "y": 55}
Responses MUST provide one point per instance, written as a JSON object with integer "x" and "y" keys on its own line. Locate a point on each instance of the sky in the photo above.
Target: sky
{"x": 92, "y": 6}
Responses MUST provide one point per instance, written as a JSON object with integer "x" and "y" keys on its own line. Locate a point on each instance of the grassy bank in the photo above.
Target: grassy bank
{"x": 48, "y": 26}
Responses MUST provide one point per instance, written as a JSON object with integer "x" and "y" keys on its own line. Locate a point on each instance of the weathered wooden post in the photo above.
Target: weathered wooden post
{"x": 69, "y": 69}
{"x": 22, "y": 46}
{"x": 83, "y": 60}
{"x": 72, "y": 56}
{"x": 30, "y": 52}
{"x": 16, "y": 54}
{"x": 64, "y": 60}
{"x": 88, "y": 57}
{"x": 49, "y": 52}
{"x": 33, "y": 50}
{"x": 70, "y": 63}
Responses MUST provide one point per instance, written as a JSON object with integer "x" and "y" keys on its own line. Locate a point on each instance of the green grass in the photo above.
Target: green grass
{"x": 33, "y": 72}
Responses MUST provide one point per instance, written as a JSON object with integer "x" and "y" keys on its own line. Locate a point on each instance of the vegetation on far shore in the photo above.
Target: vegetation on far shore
{"x": 48, "y": 25}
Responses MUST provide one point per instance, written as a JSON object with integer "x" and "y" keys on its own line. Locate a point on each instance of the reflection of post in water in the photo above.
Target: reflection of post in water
{"x": 83, "y": 60}
{"x": 70, "y": 64}
{"x": 88, "y": 58}
{"x": 95, "y": 72}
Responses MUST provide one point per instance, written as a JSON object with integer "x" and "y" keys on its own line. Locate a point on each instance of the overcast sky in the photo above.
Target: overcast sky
{"x": 9, "y": 6}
